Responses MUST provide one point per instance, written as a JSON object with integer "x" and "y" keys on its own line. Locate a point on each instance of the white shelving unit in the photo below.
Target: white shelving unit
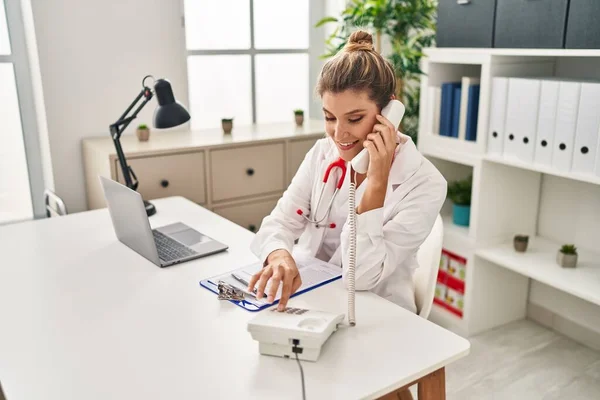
{"x": 510, "y": 197}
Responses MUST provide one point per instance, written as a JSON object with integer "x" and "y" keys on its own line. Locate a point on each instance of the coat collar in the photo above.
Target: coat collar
{"x": 406, "y": 162}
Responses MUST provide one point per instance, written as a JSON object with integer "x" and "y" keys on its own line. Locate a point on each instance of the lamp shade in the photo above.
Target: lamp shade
{"x": 169, "y": 112}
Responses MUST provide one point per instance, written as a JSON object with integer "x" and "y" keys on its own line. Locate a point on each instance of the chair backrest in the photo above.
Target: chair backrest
{"x": 54, "y": 204}
{"x": 425, "y": 277}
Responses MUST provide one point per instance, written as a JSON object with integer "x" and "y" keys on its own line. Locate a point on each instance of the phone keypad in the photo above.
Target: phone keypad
{"x": 291, "y": 310}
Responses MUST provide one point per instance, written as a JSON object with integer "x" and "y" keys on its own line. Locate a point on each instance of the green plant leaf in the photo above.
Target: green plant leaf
{"x": 325, "y": 20}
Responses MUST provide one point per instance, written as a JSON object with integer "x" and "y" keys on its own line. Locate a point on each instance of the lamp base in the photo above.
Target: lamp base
{"x": 150, "y": 209}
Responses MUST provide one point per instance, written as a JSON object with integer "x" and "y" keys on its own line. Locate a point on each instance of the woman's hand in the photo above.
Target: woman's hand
{"x": 381, "y": 145}
{"x": 281, "y": 269}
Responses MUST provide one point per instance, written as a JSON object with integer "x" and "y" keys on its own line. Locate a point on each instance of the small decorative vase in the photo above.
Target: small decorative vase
{"x": 227, "y": 125}
{"x": 143, "y": 134}
{"x": 461, "y": 214}
{"x": 299, "y": 119}
{"x": 566, "y": 260}
{"x": 520, "y": 243}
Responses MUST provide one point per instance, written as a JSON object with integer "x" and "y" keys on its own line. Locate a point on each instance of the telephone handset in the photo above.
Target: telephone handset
{"x": 393, "y": 111}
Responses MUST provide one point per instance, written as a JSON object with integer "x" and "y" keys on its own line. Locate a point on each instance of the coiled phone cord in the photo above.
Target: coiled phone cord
{"x": 352, "y": 255}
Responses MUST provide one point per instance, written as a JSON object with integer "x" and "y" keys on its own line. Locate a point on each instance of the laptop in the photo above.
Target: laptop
{"x": 164, "y": 246}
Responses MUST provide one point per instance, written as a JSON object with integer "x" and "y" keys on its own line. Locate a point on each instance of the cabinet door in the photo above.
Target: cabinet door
{"x": 249, "y": 215}
{"x": 247, "y": 171}
{"x": 583, "y": 30}
{"x": 170, "y": 175}
{"x": 296, "y": 152}
{"x": 465, "y": 23}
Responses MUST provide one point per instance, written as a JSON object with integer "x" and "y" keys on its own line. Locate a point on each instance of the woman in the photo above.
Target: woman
{"x": 398, "y": 199}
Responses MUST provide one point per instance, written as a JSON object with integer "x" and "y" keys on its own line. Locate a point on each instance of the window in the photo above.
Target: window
{"x": 15, "y": 193}
{"x": 252, "y": 65}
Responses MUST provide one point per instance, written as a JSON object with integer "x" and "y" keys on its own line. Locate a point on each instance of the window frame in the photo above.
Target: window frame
{"x": 19, "y": 58}
{"x": 316, "y": 10}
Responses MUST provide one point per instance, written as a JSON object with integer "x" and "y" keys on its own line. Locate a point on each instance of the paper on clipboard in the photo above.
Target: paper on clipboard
{"x": 313, "y": 271}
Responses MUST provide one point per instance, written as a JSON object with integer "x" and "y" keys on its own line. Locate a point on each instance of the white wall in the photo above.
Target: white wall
{"x": 92, "y": 58}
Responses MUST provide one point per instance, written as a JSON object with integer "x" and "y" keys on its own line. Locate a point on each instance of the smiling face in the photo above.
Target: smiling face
{"x": 349, "y": 118}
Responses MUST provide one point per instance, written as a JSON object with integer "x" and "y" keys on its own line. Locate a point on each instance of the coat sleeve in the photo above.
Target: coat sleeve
{"x": 283, "y": 225}
{"x": 380, "y": 249}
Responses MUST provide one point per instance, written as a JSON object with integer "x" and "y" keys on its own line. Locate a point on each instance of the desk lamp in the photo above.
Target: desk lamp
{"x": 168, "y": 114}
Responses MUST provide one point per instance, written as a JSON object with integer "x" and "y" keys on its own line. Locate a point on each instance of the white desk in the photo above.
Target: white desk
{"x": 84, "y": 317}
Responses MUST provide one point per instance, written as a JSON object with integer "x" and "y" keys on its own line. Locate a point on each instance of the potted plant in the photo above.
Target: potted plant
{"x": 567, "y": 256}
{"x": 520, "y": 243}
{"x": 142, "y": 132}
{"x": 227, "y": 124}
{"x": 459, "y": 192}
{"x": 299, "y": 115}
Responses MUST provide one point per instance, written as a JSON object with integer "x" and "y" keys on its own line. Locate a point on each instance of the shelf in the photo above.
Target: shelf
{"x": 449, "y": 149}
{"x": 441, "y": 51}
{"x": 543, "y": 169}
{"x": 539, "y": 263}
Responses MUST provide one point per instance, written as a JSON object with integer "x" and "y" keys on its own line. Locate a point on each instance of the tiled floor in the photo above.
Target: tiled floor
{"x": 524, "y": 360}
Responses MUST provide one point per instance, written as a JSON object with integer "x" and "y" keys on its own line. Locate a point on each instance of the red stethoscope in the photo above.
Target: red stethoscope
{"x": 341, "y": 164}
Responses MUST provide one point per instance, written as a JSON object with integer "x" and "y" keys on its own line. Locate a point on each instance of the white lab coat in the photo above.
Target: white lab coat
{"x": 387, "y": 238}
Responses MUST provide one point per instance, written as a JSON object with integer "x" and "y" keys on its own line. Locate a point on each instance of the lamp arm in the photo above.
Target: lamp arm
{"x": 117, "y": 128}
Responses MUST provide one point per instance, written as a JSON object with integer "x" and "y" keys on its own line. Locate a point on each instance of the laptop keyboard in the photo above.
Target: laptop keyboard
{"x": 170, "y": 249}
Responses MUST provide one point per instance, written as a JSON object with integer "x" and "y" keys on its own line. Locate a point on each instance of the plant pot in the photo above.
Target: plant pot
{"x": 520, "y": 243}
{"x": 299, "y": 119}
{"x": 461, "y": 215}
{"x": 227, "y": 126}
{"x": 143, "y": 134}
{"x": 566, "y": 260}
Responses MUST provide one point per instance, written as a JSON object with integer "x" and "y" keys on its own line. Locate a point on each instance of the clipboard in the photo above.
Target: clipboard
{"x": 316, "y": 272}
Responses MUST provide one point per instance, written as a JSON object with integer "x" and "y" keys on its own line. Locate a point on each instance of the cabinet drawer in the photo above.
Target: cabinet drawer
{"x": 250, "y": 215}
{"x": 465, "y": 23}
{"x": 530, "y": 24}
{"x": 246, "y": 171}
{"x": 296, "y": 153}
{"x": 172, "y": 175}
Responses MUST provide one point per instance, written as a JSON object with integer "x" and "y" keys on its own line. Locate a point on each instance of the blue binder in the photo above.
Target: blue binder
{"x": 446, "y": 108}
{"x": 472, "y": 114}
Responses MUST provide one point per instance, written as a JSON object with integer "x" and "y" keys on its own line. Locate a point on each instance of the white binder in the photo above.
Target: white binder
{"x": 495, "y": 144}
{"x": 586, "y": 134}
{"x": 546, "y": 122}
{"x": 566, "y": 121}
{"x": 521, "y": 118}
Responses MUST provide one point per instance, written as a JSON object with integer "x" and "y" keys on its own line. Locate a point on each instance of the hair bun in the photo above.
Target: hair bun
{"x": 360, "y": 40}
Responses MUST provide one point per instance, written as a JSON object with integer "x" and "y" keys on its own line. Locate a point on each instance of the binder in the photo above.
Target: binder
{"x": 433, "y": 109}
{"x": 456, "y": 111}
{"x": 586, "y": 135}
{"x": 315, "y": 273}
{"x": 497, "y": 116}
{"x": 521, "y": 118}
{"x": 546, "y": 123}
{"x": 467, "y": 84}
{"x": 472, "y": 113}
{"x": 447, "y": 108}
{"x": 566, "y": 121}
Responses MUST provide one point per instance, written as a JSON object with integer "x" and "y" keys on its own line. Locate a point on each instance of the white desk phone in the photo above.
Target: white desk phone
{"x": 303, "y": 332}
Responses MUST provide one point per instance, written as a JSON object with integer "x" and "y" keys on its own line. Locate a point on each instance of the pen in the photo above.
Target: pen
{"x": 244, "y": 282}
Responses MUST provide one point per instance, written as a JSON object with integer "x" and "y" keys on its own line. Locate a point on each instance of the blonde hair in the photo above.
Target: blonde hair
{"x": 359, "y": 67}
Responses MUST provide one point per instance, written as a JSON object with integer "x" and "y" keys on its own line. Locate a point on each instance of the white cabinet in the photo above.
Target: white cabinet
{"x": 239, "y": 176}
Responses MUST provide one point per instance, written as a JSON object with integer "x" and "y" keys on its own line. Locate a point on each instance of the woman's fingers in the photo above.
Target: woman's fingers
{"x": 286, "y": 291}
{"x": 254, "y": 279}
{"x": 278, "y": 274}
{"x": 262, "y": 282}
{"x": 388, "y": 132}
{"x": 377, "y": 140}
